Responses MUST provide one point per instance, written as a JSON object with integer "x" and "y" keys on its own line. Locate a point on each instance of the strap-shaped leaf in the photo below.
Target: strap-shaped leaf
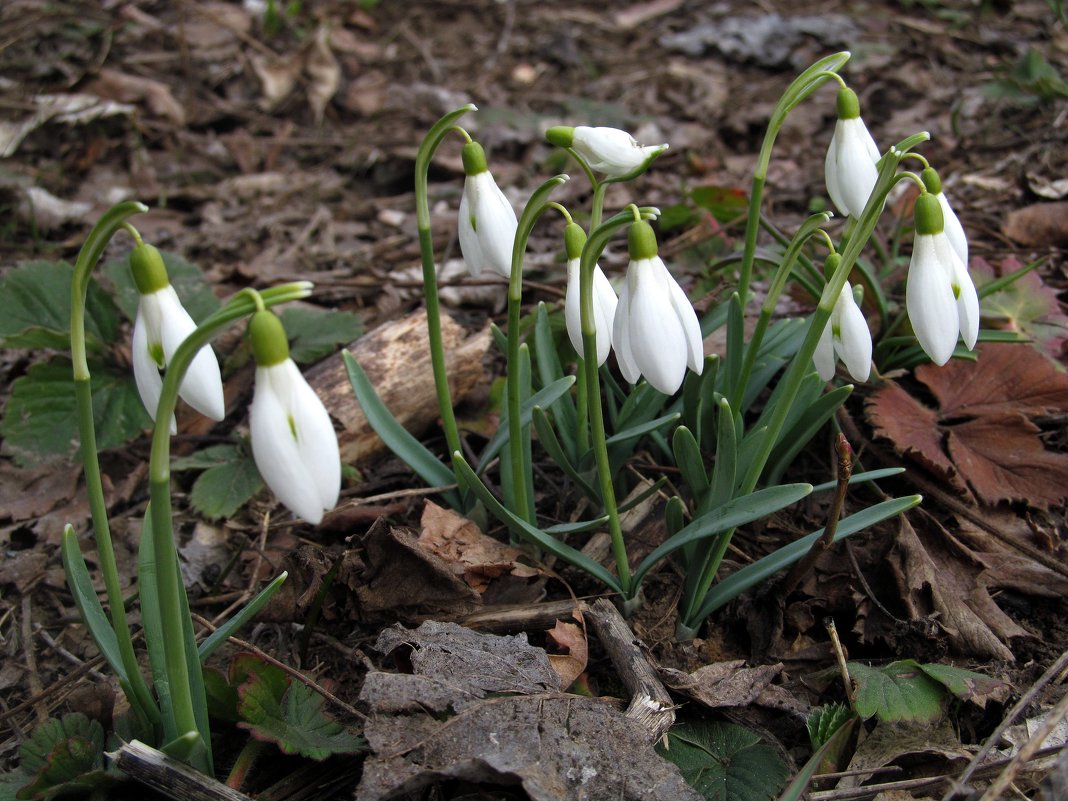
{"x": 221, "y": 634}
{"x": 736, "y": 513}
{"x": 81, "y": 587}
{"x": 549, "y": 370}
{"x": 751, "y": 575}
{"x": 148, "y": 592}
{"x": 200, "y": 760}
{"x": 804, "y": 429}
{"x": 397, "y": 438}
{"x": 577, "y": 527}
{"x": 547, "y": 439}
{"x": 857, "y": 478}
{"x": 642, "y": 428}
{"x": 725, "y": 472}
{"x": 689, "y": 460}
{"x": 650, "y": 490}
{"x": 735, "y": 344}
{"x": 535, "y": 535}
{"x": 543, "y": 398}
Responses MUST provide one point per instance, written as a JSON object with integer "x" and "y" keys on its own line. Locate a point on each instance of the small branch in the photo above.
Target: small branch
{"x": 650, "y": 706}
{"x": 169, "y": 776}
{"x": 839, "y": 653}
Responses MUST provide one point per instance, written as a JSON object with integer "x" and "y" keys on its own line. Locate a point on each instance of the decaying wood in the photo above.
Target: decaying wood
{"x": 396, "y": 358}
{"x": 169, "y": 776}
{"x": 650, "y": 705}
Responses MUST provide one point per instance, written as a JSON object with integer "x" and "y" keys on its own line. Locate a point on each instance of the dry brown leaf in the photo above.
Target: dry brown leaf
{"x": 991, "y": 443}
{"x": 571, "y": 639}
{"x": 1039, "y": 225}
{"x": 114, "y": 85}
{"x": 323, "y": 71}
{"x": 888, "y": 743}
{"x": 723, "y": 684}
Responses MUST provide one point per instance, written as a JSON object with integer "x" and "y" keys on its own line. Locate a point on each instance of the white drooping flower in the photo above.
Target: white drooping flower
{"x": 487, "y": 220}
{"x": 608, "y": 150}
{"x": 845, "y": 336}
{"x": 293, "y": 440}
{"x": 940, "y": 297}
{"x": 604, "y": 298}
{"x": 161, "y": 325}
{"x": 850, "y": 168}
{"x": 655, "y": 332}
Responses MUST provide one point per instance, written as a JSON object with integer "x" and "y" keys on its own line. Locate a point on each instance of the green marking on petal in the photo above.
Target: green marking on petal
{"x": 155, "y": 352}
{"x": 836, "y": 331}
{"x": 956, "y": 291}
{"x": 292, "y": 426}
{"x": 474, "y": 223}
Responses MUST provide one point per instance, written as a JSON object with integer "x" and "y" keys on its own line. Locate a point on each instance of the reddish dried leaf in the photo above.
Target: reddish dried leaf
{"x": 1028, "y": 306}
{"x": 571, "y": 639}
{"x": 1039, "y": 225}
{"x": 912, "y": 427}
{"x": 1007, "y": 378}
{"x": 1004, "y": 460}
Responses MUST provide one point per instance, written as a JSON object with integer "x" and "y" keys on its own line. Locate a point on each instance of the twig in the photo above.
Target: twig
{"x": 64, "y": 653}
{"x": 293, "y": 672}
{"x": 33, "y": 677}
{"x": 1051, "y": 673}
{"x": 839, "y": 652}
{"x": 650, "y": 705}
{"x": 1006, "y": 777}
{"x": 169, "y": 776}
{"x": 52, "y": 688}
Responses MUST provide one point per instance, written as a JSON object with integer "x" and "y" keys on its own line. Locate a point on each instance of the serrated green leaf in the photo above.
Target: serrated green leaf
{"x": 901, "y": 691}
{"x": 824, "y": 755}
{"x": 316, "y": 333}
{"x": 188, "y": 281}
{"x": 205, "y": 458}
{"x": 35, "y": 309}
{"x": 64, "y": 756}
{"x": 968, "y": 685}
{"x": 221, "y": 490}
{"x": 725, "y": 762}
{"x": 40, "y": 420}
{"x": 294, "y": 721}
{"x": 824, "y": 721}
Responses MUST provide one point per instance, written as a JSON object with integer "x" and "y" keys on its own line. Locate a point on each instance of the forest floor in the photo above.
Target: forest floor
{"x": 281, "y": 152}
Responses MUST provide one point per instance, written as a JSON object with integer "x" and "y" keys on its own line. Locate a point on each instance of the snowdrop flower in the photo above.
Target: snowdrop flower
{"x": 850, "y": 167}
{"x": 162, "y": 324}
{"x": 293, "y": 440}
{"x": 487, "y": 220}
{"x": 940, "y": 296}
{"x": 608, "y": 150}
{"x": 846, "y": 335}
{"x": 655, "y": 332}
{"x": 954, "y": 230}
{"x": 604, "y": 298}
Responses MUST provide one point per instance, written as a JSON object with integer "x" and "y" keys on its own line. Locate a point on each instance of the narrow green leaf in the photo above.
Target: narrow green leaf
{"x": 649, "y": 491}
{"x": 543, "y": 398}
{"x": 857, "y": 478}
{"x": 730, "y": 515}
{"x": 803, "y": 430}
{"x": 689, "y": 460}
{"x": 410, "y": 450}
{"x": 81, "y": 587}
{"x": 795, "y": 791}
{"x": 642, "y": 429}
{"x": 550, "y": 370}
{"x": 725, "y": 472}
{"x": 547, "y": 439}
{"x": 152, "y": 624}
{"x": 185, "y": 748}
{"x": 243, "y": 616}
{"x": 524, "y": 529}
{"x": 735, "y": 345}
{"x": 752, "y": 574}
{"x": 316, "y": 333}
{"x": 577, "y": 527}
{"x": 200, "y": 758}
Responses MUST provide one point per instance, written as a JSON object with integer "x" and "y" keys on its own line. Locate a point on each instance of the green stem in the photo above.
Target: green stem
{"x": 536, "y": 206}
{"x": 169, "y": 586}
{"x": 113, "y": 220}
{"x": 590, "y": 253}
{"x": 801, "y": 364}
{"x": 243, "y": 764}
{"x": 597, "y": 207}
{"x": 430, "y": 279}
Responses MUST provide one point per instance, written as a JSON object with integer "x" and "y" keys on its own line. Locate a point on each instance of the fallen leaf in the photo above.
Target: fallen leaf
{"x": 277, "y": 76}
{"x": 26, "y": 494}
{"x": 1028, "y": 305}
{"x": 723, "y": 684}
{"x": 1039, "y": 225}
{"x": 888, "y": 743}
{"x": 114, "y": 85}
{"x": 323, "y": 71}
{"x": 571, "y": 639}
{"x": 981, "y": 433}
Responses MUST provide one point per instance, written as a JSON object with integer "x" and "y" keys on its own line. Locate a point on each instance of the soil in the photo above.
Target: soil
{"x": 258, "y": 168}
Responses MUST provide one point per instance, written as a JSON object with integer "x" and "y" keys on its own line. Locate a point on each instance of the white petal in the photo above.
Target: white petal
{"x": 964, "y": 290}
{"x": 146, "y": 373}
{"x": 823, "y": 356}
{"x": 275, "y": 449}
{"x": 657, "y": 339}
{"x": 857, "y": 172}
{"x": 495, "y": 223}
{"x": 930, "y": 302}
{"x": 611, "y": 151}
{"x": 953, "y": 229}
{"x": 470, "y": 247}
{"x": 830, "y": 171}
{"x": 316, "y": 438}
{"x": 604, "y": 312}
{"x": 691, "y": 327}
{"x": 202, "y": 384}
{"x": 854, "y": 342}
{"x": 621, "y": 333}
{"x": 572, "y": 307}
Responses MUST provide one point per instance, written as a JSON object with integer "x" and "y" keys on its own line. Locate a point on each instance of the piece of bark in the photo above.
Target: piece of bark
{"x": 169, "y": 776}
{"x": 396, "y": 358}
{"x": 1039, "y": 225}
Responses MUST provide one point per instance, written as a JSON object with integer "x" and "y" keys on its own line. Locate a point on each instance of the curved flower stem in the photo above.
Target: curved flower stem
{"x": 170, "y": 588}
{"x": 430, "y": 144}
{"x": 799, "y": 366}
{"x": 590, "y": 253}
{"x": 537, "y": 205}
{"x": 113, "y": 220}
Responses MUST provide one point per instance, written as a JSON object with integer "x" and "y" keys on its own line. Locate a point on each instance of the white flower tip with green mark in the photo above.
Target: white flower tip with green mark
{"x": 846, "y": 336}
{"x": 604, "y": 310}
{"x": 940, "y": 297}
{"x": 612, "y": 151}
{"x": 162, "y": 324}
{"x": 850, "y": 167}
{"x": 293, "y": 442}
{"x": 487, "y": 226}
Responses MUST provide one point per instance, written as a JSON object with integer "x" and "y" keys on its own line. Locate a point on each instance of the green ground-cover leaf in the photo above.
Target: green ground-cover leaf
{"x": 898, "y": 692}
{"x": 316, "y": 333}
{"x": 35, "y": 309}
{"x": 725, "y": 762}
{"x": 64, "y": 756}
{"x": 40, "y": 420}
{"x": 230, "y": 479}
